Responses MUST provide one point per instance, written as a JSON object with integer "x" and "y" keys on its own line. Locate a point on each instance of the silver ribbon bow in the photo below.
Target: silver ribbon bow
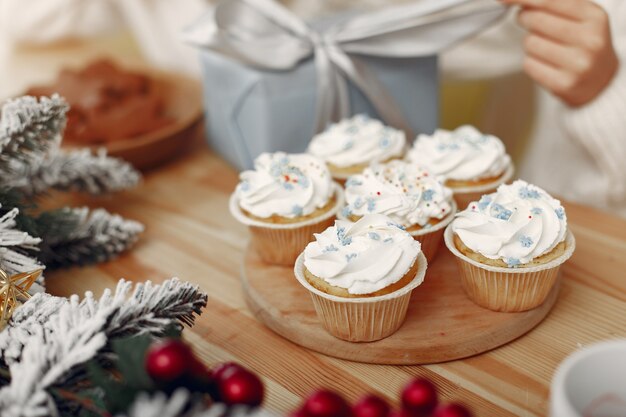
{"x": 264, "y": 34}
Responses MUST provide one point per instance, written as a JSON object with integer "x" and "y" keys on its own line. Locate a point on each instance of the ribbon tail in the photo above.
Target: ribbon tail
{"x": 385, "y": 105}
{"x": 324, "y": 108}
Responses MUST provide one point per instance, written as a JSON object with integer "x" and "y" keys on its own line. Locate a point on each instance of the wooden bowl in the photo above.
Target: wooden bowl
{"x": 183, "y": 104}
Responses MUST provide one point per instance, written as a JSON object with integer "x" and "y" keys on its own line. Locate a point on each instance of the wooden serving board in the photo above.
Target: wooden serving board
{"x": 442, "y": 324}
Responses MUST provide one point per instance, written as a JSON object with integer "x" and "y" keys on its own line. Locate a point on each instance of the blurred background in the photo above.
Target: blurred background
{"x": 34, "y": 48}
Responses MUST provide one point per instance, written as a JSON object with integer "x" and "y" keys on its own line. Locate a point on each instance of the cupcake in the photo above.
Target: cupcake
{"x": 471, "y": 163}
{"x": 284, "y": 200}
{"x": 361, "y": 275}
{"x": 408, "y": 194}
{"x": 509, "y": 246}
{"x": 351, "y": 145}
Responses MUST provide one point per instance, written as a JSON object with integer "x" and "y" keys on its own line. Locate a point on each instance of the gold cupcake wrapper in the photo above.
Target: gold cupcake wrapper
{"x": 508, "y": 289}
{"x": 280, "y": 244}
{"x": 465, "y": 195}
{"x": 362, "y": 319}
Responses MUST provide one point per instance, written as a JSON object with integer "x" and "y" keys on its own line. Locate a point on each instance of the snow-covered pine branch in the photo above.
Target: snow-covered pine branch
{"x": 15, "y": 247}
{"x": 78, "y": 236}
{"x": 177, "y": 405}
{"x": 77, "y": 170}
{"x": 49, "y": 339}
{"x": 29, "y": 130}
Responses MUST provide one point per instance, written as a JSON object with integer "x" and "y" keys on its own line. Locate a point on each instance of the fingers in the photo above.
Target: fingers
{"x": 550, "y": 25}
{"x": 557, "y": 55}
{"x": 553, "y": 79}
{"x": 572, "y": 9}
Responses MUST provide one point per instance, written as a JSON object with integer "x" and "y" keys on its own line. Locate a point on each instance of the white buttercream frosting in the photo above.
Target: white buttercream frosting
{"x": 464, "y": 154}
{"x": 287, "y": 185}
{"x": 516, "y": 224}
{"x": 358, "y": 140}
{"x": 406, "y": 192}
{"x": 362, "y": 257}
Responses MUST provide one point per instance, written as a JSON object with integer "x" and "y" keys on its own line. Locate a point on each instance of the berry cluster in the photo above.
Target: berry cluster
{"x": 171, "y": 363}
{"x": 418, "y": 399}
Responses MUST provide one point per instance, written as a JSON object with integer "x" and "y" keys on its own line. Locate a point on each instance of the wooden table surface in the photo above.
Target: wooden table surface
{"x": 191, "y": 235}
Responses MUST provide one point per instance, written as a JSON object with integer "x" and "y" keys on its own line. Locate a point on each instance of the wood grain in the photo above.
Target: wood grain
{"x": 190, "y": 234}
{"x": 442, "y": 324}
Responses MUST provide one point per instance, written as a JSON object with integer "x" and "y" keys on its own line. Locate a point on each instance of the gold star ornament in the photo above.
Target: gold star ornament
{"x": 13, "y": 291}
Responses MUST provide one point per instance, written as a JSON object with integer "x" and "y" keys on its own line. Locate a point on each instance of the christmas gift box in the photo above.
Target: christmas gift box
{"x": 271, "y": 81}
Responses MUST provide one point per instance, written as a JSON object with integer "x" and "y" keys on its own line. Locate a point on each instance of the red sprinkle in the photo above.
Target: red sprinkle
{"x": 473, "y": 207}
{"x": 286, "y": 177}
{"x": 530, "y": 217}
{"x": 377, "y": 192}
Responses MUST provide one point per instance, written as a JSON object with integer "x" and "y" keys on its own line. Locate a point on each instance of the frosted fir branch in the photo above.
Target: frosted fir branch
{"x": 50, "y": 339}
{"x": 77, "y": 170}
{"x": 29, "y": 129}
{"x": 78, "y": 236}
{"x": 148, "y": 309}
{"x": 178, "y": 405}
{"x": 16, "y": 247}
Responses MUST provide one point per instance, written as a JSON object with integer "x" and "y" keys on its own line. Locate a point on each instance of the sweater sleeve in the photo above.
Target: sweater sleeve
{"x": 600, "y": 126}
{"x": 45, "y": 21}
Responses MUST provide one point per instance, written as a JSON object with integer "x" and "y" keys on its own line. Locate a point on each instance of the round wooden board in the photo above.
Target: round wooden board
{"x": 442, "y": 324}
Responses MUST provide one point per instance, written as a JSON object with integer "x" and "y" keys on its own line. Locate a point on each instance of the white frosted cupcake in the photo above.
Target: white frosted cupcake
{"x": 360, "y": 276}
{"x": 470, "y": 162}
{"x": 284, "y": 200}
{"x": 410, "y": 195}
{"x": 510, "y": 245}
{"x": 351, "y": 145}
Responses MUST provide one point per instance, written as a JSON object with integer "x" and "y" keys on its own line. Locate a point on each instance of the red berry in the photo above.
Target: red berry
{"x": 452, "y": 410}
{"x": 298, "y": 413}
{"x": 222, "y": 370}
{"x": 241, "y": 387}
{"x": 325, "y": 403}
{"x": 168, "y": 360}
{"x": 419, "y": 397}
{"x": 371, "y": 406}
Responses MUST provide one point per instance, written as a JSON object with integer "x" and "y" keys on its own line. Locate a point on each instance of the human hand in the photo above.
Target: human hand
{"x": 568, "y": 48}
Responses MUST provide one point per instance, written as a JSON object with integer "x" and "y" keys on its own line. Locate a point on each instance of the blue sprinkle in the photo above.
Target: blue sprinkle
{"x": 484, "y": 202}
{"x": 352, "y": 129}
{"x": 353, "y": 182}
{"x": 358, "y": 203}
{"x": 330, "y": 248}
{"x": 399, "y": 226}
{"x": 560, "y": 213}
{"x": 373, "y": 236}
{"x": 428, "y": 195}
{"x": 536, "y": 210}
{"x": 244, "y": 186}
{"x": 526, "y": 241}
{"x": 341, "y": 236}
{"x": 350, "y": 257}
{"x": 296, "y": 210}
{"x": 388, "y": 240}
{"x": 384, "y": 142}
{"x": 499, "y": 212}
{"x": 512, "y": 262}
{"x": 284, "y": 160}
{"x": 288, "y": 186}
{"x": 371, "y": 204}
{"x": 348, "y": 145}
{"x": 526, "y": 192}
{"x": 346, "y": 211}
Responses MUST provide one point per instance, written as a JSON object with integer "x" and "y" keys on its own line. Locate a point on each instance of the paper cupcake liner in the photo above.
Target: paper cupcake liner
{"x": 465, "y": 195}
{"x": 362, "y": 319}
{"x": 280, "y": 244}
{"x": 508, "y": 289}
{"x": 430, "y": 238}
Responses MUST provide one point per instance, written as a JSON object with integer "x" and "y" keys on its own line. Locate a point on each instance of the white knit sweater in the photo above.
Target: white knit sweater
{"x": 579, "y": 154}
